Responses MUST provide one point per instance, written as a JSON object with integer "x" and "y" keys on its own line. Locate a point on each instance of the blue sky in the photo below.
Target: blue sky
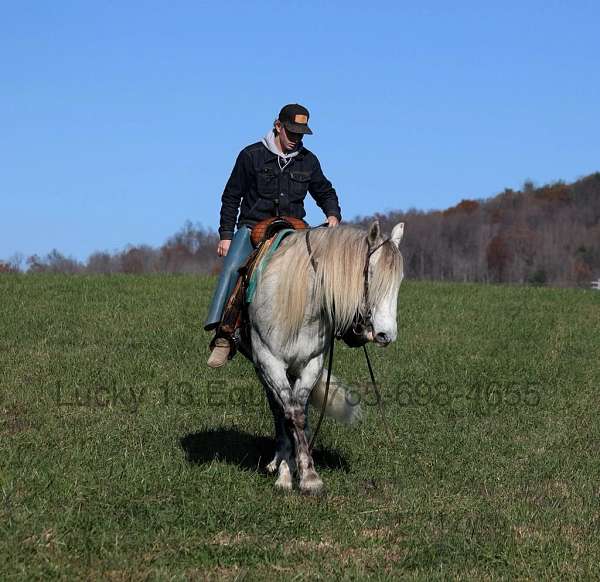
{"x": 121, "y": 120}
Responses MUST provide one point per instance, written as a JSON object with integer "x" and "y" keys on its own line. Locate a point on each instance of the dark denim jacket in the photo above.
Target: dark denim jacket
{"x": 258, "y": 183}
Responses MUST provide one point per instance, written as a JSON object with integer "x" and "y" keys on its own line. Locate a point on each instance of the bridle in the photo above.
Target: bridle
{"x": 356, "y": 335}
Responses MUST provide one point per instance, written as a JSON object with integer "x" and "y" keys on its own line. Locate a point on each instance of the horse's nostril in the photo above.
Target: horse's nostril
{"x": 382, "y": 338}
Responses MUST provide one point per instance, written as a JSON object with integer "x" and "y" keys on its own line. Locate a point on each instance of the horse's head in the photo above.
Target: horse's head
{"x": 383, "y": 276}
{"x": 344, "y": 275}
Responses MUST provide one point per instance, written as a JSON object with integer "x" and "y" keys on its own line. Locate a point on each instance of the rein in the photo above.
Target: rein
{"x": 329, "y": 367}
{"x": 359, "y": 324}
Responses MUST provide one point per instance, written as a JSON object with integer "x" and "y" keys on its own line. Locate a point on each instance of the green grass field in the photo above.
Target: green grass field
{"x": 123, "y": 457}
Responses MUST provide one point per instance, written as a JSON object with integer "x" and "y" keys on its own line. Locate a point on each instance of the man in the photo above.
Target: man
{"x": 270, "y": 178}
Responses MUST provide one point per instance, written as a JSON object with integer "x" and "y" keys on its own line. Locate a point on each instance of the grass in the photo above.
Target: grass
{"x": 123, "y": 457}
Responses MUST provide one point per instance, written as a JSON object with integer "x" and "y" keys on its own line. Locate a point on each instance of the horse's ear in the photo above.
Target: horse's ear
{"x": 374, "y": 232}
{"x": 397, "y": 233}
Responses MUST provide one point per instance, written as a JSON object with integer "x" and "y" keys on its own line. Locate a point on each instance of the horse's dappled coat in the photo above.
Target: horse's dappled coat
{"x": 291, "y": 323}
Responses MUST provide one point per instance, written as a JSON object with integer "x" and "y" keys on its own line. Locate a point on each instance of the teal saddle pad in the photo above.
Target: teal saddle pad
{"x": 251, "y": 290}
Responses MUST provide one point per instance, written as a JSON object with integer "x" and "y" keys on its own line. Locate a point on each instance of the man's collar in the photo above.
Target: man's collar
{"x": 272, "y": 157}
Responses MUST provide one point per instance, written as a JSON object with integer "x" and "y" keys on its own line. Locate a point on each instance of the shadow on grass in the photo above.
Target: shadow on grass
{"x": 250, "y": 452}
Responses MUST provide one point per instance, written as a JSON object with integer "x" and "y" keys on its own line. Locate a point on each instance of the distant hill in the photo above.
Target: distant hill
{"x": 538, "y": 235}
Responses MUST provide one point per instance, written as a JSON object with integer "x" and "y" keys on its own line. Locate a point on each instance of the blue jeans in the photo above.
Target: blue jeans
{"x": 239, "y": 251}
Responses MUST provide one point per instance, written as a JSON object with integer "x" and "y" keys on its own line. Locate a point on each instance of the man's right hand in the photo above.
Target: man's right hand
{"x": 223, "y": 247}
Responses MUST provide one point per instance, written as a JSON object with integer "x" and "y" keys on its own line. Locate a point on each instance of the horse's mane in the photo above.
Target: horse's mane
{"x": 340, "y": 254}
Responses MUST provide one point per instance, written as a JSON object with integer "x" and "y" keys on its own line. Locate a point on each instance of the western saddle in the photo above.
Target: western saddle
{"x": 266, "y": 236}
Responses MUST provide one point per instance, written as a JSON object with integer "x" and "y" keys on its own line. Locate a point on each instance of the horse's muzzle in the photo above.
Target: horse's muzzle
{"x": 381, "y": 339}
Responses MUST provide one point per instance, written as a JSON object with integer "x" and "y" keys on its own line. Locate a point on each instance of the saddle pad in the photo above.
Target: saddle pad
{"x": 251, "y": 289}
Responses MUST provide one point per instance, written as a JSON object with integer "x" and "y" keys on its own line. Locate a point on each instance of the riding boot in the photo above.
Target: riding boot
{"x": 220, "y": 353}
{"x": 223, "y": 344}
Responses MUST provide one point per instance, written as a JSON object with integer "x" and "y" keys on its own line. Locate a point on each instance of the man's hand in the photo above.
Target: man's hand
{"x": 332, "y": 221}
{"x": 223, "y": 247}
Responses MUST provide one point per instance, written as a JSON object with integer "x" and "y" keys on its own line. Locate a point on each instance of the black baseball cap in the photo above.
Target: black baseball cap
{"x": 295, "y": 118}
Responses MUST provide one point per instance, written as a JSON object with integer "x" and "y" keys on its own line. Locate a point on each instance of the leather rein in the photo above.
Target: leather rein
{"x": 354, "y": 337}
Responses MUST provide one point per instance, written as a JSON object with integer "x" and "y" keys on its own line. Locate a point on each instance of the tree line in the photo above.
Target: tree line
{"x": 544, "y": 235}
{"x": 191, "y": 250}
{"x": 537, "y": 235}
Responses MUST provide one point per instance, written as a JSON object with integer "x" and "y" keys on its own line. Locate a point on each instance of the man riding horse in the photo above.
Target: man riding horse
{"x": 270, "y": 178}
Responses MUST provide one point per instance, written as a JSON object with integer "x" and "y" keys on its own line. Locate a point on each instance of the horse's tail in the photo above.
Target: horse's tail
{"x": 342, "y": 404}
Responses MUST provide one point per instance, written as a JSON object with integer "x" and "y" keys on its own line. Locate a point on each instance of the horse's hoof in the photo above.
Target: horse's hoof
{"x": 311, "y": 484}
{"x": 284, "y": 484}
{"x": 284, "y": 481}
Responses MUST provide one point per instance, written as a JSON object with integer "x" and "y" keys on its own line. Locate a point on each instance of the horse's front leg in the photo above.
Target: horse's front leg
{"x": 283, "y": 444}
{"x": 310, "y": 482}
{"x": 273, "y": 375}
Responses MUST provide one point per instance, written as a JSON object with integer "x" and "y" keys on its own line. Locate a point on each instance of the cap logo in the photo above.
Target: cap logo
{"x": 301, "y": 119}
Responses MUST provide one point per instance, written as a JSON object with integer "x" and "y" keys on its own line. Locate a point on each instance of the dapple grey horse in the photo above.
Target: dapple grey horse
{"x": 309, "y": 286}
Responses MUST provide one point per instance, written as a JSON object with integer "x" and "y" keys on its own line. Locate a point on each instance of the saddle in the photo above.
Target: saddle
{"x": 266, "y": 236}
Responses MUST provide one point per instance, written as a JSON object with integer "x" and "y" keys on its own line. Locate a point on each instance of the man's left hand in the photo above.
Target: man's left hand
{"x": 332, "y": 221}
